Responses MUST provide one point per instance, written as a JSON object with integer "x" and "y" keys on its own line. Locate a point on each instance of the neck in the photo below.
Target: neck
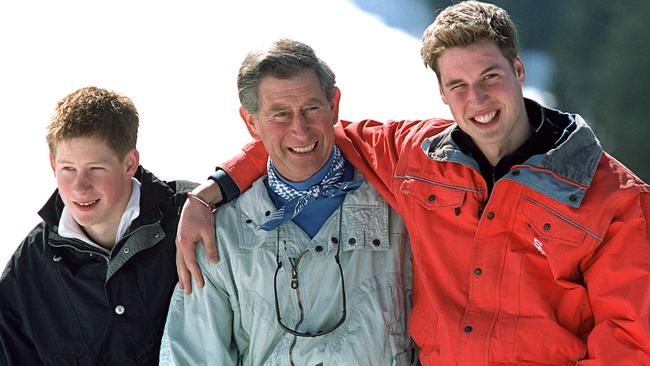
{"x": 519, "y": 134}
{"x": 105, "y": 237}
{"x": 314, "y": 179}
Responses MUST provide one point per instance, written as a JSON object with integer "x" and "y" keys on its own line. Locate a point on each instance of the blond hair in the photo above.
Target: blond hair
{"x": 465, "y": 23}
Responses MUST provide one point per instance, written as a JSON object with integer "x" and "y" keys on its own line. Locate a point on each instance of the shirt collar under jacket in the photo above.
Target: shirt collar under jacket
{"x": 68, "y": 227}
{"x": 307, "y": 210}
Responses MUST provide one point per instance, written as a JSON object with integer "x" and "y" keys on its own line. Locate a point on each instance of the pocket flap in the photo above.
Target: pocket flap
{"x": 549, "y": 224}
{"x": 433, "y": 196}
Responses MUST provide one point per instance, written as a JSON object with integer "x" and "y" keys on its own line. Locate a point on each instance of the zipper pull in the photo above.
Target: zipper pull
{"x": 294, "y": 277}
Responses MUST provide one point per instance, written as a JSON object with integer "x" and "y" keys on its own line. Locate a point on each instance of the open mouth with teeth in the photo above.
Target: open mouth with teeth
{"x": 304, "y": 149}
{"x": 485, "y": 119}
{"x": 85, "y": 205}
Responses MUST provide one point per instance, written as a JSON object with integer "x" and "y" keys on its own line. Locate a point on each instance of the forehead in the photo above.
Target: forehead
{"x": 472, "y": 59}
{"x": 84, "y": 149}
{"x": 302, "y": 87}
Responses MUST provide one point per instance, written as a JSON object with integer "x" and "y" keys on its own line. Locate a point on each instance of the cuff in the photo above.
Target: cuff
{"x": 229, "y": 190}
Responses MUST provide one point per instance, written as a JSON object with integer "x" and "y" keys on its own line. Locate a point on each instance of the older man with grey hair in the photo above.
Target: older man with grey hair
{"x": 315, "y": 266}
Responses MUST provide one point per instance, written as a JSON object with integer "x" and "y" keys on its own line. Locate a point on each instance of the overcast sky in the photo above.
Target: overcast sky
{"x": 178, "y": 62}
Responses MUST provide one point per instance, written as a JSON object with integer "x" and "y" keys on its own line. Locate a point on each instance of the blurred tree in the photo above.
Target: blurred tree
{"x": 601, "y": 49}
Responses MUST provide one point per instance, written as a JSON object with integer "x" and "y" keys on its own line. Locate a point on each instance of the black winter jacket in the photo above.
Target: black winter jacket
{"x": 63, "y": 302}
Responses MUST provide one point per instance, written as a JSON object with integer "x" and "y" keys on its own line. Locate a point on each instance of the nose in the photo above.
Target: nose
{"x": 477, "y": 94}
{"x": 82, "y": 183}
{"x": 299, "y": 124}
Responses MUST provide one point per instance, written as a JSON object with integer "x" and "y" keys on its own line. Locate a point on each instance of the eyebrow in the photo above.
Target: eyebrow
{"x": 485, "y": 71}
{"x": 103, "y": 161}
{"x": 274, "y": 107}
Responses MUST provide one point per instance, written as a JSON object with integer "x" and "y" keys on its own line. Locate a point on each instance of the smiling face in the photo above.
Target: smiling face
{"x": 295, "y": 121}
{"x": 94, "y": 184}
{"x": 484, "y": 92}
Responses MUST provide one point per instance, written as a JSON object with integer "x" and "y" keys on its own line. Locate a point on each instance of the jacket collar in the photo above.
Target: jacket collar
{"x": 564, "y": 172}
{"x": 365, "y": 220}
{"x": 153, "y": 192}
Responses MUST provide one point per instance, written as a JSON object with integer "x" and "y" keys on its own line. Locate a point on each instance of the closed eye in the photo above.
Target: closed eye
{"x": 456, "y": 87}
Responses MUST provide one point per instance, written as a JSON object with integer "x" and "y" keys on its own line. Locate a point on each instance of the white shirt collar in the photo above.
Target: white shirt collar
{"x": 68, "y": 227}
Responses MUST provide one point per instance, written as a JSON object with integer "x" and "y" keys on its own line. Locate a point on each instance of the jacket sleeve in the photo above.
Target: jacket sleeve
{"x": 245, "y": 168}
{"x": 375, "y": 148}
{"x": 199, "y": 327}
{"x": 618, "y": 282}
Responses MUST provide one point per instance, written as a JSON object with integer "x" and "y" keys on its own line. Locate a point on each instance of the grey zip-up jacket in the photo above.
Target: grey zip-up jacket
{"x": 233, "y": 320}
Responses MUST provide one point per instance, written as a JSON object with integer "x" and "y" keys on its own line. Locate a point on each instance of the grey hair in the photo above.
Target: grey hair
{"x": 283, "y": 59}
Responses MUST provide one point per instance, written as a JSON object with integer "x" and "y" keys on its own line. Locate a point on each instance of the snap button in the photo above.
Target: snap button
{"x": 431, "y": 198}
{"x": 352, "y": 241}
{"x": 156, "y": 235}
{"x": 119, "y": 310}
{"x": 56, "y": 258}
{"x": 547, "y": 227}
{"x": 490, "y": 215}
{"x": 335, "y": 240}
{"x": 125, "y": 250}
{"x": 468, "y": 329}
{"x": 477, "y": 271}
{"x": 573, "y": 198}
{"x": 376, "y": 242}
{"x": 319, "y": 248}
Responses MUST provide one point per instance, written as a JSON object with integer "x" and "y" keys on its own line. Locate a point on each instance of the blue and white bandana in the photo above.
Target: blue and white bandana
{"x": 330, "y": 186}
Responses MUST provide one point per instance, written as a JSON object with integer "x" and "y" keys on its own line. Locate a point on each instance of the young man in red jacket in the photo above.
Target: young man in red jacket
{"x": 530, "y": 243}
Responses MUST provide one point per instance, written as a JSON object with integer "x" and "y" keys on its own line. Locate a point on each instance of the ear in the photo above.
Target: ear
{"x": 334, "y": 105}
{"x": 251, "y": 123}
{"x": 520, "y": 72}
{"x": 131, "y": 162}
{"x": 53, "y": 163}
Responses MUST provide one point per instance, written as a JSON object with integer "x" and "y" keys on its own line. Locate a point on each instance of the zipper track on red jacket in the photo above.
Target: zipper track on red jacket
{"x": 438, "y": 183}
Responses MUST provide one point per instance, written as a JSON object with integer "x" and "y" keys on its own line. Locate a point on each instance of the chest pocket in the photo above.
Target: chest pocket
{"x": 545, "y": 233}
{"x": 549, "y": 225}
{"x": 366, "y": 227}
{"x": 433, "y": 196}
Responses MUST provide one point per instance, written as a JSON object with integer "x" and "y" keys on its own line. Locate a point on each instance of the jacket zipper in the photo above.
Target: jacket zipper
{"x": 90, "y": 252}
{"x": 295, "y": 284}
{"x": 106, "y": 257}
